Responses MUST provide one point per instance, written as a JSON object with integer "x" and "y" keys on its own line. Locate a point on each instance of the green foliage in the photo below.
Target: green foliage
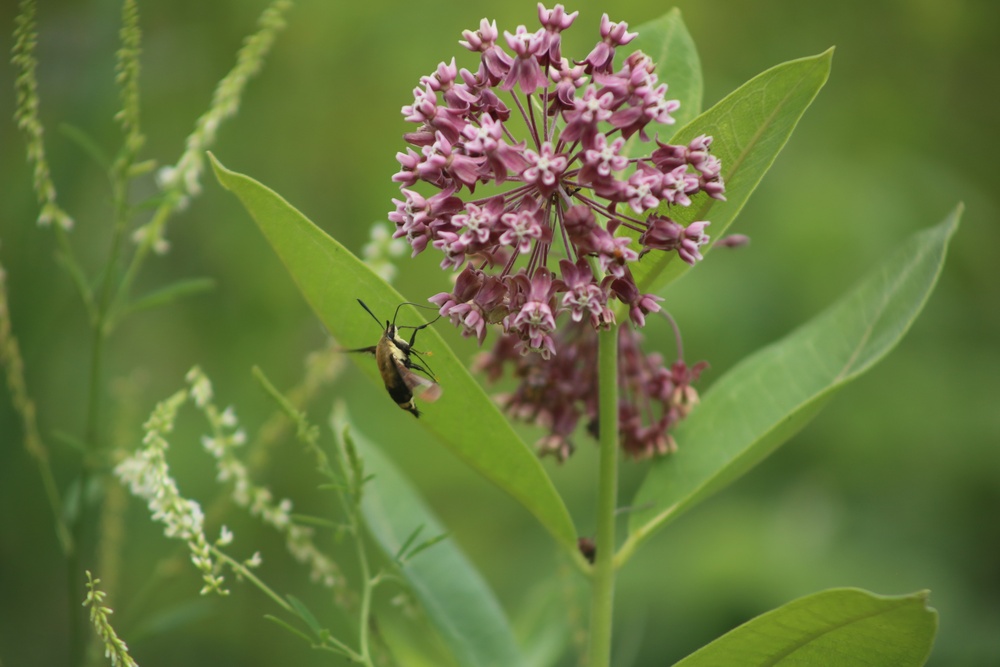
{"x": 115, "y": 648}
{"x": 128, "y": 69}
{"x": 748, "y": 414}
{"x": 27, "y": 118}
{"x": 749, "y": 127}
{"x": 451, "y": 591}
{"x": 332, "y": 279}
{"x": 10, "y": 357}
{"x": 843, "y": 627}
{"x": 766, "y": 399}
{"x": 743, "y": 418}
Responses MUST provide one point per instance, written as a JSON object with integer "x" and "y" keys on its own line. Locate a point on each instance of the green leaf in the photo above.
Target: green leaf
{"x": 423, "y": 546}
{"x": 290, "y": 628}
{"x": 303, "y": 612}
{"x": 749, "y": 128}
{"x": 86, "y": 143}
{"x": 456, "y": 598}
{"x": 843, "y": 627}
{"x": 170, "y": 293}
{"x": 667, "y": 41}
{"x": 413, "y": 644}
{"x": 398, "y": 556}
{"x": 171, "y": 619}
{"x": 772, "y": 394}
{"x": 465, "y": 419}
{"x": 549, "y": 617}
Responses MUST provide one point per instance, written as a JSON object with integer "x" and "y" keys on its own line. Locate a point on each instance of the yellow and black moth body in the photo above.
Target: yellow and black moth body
{"x": 398, "y": 370}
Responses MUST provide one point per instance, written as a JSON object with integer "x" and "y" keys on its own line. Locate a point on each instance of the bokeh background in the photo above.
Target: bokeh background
{"x": 894, "y": 488}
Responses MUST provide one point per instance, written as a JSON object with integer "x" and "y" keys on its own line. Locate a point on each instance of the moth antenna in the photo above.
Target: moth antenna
{"x": 370, "y": 313}
{"x": 415, "y": 305}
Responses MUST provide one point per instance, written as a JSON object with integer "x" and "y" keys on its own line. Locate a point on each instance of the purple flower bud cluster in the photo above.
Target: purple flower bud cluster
{"x": 565, "y": 215}
{"x": 557, "y": 394}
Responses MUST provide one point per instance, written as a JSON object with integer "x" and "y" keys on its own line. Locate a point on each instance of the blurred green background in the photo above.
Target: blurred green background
{"x": 894, "y": 488}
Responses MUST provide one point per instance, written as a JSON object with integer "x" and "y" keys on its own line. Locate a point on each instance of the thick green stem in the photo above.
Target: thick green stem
{"x": 603, "y": 583}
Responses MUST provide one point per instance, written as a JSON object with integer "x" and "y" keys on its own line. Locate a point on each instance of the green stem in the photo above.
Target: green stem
{"x": 245, "y": 572}
{"x": 153, "y": 227}
{"x": 248, "y": 574}
{"x": 603, "y": 583}
{"x": 352, "y": 503}
{"x": 366, "y": 596}
{"x": 101, "y": 326}
{"x": 630, "y": 544}
{"x": 92, "y": 441}
{"x": 349, "y": 495}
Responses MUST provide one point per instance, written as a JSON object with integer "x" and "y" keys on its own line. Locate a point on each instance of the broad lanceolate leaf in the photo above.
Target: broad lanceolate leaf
{"x": 769, "y": 396}
{"x": 844, "y": 627}
{"x": 667, "y": 41}
{"x": 465, "y": 419}
{"x": 457, "y": 600}
{"x": 749, "y": 128}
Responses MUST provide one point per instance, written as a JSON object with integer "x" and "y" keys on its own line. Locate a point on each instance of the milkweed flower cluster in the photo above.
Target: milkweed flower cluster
{"x": 568, "y": 212}
{"x": 557, "y": 394}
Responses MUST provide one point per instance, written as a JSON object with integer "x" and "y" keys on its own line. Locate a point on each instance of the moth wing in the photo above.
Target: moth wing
{"x": 369, "y": 350}
{"x": 427, "y": 389}
{"x": 432, "y": 391}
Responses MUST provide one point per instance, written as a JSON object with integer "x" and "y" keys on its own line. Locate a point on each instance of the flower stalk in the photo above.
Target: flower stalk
{"x": 603, "y": 580}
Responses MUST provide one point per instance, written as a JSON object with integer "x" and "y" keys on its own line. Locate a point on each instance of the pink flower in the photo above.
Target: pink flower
{"x": 545, "y": 134}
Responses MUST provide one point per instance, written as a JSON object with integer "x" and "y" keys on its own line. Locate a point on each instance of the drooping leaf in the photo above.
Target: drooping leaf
{"x": 456, "y": 598}
{"x": 667, "y": 41}
{"x": 331, "y": 278}
{"x": 845, "y": 627}
{"x": 772, "y": 394}
{"x": 749, "y": 128}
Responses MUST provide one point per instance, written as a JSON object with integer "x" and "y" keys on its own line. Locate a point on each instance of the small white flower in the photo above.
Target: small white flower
{"x": 166, "y": 177}
{"x": 201, "y": 387}
{"x": 380, "y": 249}
{"x": 213, "y": 446}
{"x": 228, "y": 417}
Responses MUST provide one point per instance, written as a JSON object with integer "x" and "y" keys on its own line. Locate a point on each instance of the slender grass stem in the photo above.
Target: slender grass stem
{"x": 350, "y": 499}
{"x": 367, "y": 590}
{"x": 603, "y": 580}
{"x": 10, "y": 357}
{"x": 101, "y": 325}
